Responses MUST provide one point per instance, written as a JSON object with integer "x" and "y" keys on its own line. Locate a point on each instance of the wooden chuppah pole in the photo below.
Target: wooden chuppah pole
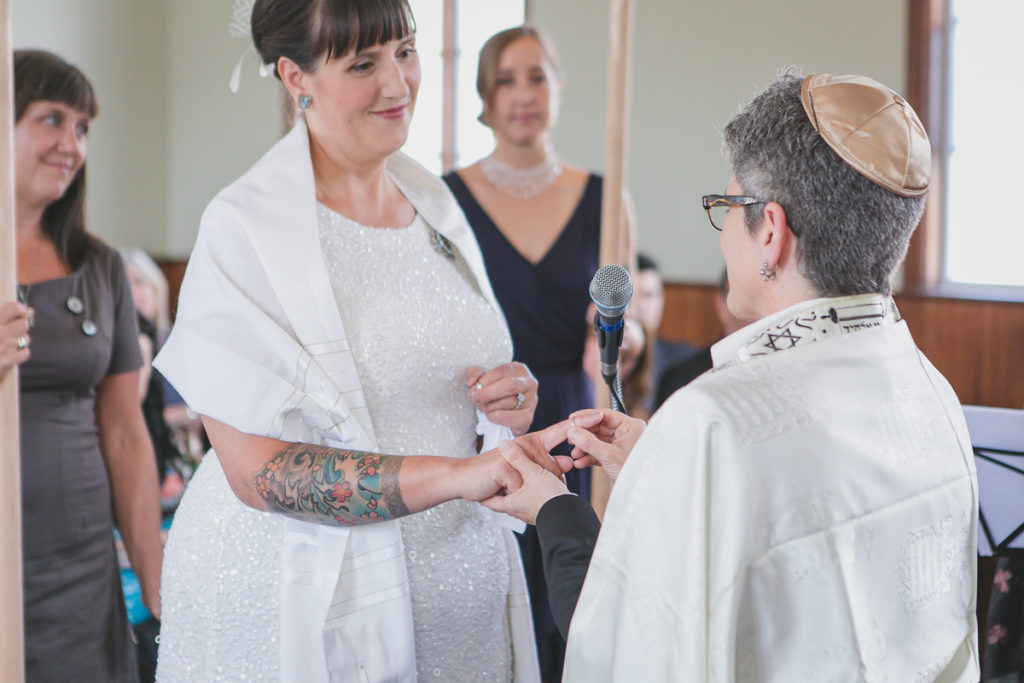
{"x": 616, "y": 145}
{"x": 615, "y": 241}
{"x": 12, "y": 662}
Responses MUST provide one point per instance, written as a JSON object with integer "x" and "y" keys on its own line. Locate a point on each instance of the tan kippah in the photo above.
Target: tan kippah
{"x": 872, "y": 129}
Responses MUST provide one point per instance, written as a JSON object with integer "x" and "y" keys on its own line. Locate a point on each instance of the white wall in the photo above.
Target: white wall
{"x": 170, "y": 134}
{"x": 214, "y": 134}
{"x": 695, "y": 62}
{"x": 121, "y": 46}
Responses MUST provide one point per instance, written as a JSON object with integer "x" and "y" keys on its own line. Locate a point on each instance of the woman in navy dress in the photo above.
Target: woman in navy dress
{"x": 538, "y": 221}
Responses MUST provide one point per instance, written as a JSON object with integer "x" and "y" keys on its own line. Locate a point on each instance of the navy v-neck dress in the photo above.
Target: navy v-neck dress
{"x": 545, "y": 304}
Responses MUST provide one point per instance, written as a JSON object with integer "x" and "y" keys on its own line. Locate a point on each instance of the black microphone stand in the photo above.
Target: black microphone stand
{"x": 615, "y": 393}
{"x": 609, "y": 372}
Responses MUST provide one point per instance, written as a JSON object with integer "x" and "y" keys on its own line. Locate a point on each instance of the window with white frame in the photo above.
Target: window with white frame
{"x": 982, "y": 148}
{"x": 449, "y": 35}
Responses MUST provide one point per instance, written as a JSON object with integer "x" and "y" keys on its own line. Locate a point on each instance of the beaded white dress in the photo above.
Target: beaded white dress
{"x": 259, "y": 344}
{"x": 416, "y": 323}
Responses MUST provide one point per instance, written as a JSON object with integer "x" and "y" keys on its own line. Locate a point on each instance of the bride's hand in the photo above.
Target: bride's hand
{"x": 507, "y": 394}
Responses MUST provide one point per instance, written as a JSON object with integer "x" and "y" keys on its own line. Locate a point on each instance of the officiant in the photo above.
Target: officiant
{"x": 807, "y": 510}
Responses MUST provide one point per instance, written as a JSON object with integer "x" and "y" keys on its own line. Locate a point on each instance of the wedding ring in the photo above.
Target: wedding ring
{"x": 22, "y": 343}
{"x": 572, "y": 422}
{"x": 479, "y": 386}
{"x": 520, "y": 397}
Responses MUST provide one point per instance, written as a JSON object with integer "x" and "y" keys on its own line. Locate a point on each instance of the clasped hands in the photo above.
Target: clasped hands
{"x": 523, "y": 476}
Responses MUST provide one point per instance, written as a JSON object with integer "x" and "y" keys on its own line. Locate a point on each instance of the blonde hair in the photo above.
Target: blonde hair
{"x": 149, "y": 272}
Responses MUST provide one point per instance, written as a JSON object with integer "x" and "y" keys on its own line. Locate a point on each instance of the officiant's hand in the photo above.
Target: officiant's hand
{"x": 489, "y": 474}
{"x": 539, "y": 485}
{"x": 603, "y": 437}
{"x": 507, "y": 394}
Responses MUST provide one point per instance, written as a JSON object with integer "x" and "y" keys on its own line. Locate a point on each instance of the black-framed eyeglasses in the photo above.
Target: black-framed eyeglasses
{"x": 717, "y": 205}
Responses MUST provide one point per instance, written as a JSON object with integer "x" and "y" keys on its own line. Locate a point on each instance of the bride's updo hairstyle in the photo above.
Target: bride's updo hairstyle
{"x": 309, "y": 32}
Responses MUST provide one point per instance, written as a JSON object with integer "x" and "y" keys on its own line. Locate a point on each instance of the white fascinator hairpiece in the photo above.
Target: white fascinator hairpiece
{"x": 241, "y": 20}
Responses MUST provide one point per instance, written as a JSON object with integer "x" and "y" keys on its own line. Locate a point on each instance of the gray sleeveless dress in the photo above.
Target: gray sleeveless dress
{"x": 76, "y": 627}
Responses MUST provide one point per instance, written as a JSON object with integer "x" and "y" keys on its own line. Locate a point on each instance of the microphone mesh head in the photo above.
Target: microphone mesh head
{"x": 611, "y": 289}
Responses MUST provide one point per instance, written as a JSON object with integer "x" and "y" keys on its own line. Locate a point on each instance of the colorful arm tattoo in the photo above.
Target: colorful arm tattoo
{"x": 330, "y": 485}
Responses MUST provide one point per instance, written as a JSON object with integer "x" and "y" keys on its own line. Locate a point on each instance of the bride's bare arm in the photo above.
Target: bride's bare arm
{"x": 345, "y": 487}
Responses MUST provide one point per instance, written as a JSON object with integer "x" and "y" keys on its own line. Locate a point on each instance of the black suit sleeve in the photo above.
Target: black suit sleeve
{"x": 567, "y": 528}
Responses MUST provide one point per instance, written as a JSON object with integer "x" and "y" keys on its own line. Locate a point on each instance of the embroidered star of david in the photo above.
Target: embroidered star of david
{"x": 772, "y": 338}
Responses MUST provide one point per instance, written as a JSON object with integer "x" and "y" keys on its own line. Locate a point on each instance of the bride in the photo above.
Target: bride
{"x": 335, "y": 309}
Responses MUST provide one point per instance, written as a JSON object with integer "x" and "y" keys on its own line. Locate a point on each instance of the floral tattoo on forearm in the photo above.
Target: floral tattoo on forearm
{"x": 322, "y": 484}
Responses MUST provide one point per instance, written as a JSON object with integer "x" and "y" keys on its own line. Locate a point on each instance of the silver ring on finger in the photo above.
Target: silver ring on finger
{"x": 23, "y": 344}
{"x": 520, "y": 398}
{"x": 572, "y": 422}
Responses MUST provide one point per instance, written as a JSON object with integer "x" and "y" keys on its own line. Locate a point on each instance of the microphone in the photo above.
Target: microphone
{"x": 610, "y": 290}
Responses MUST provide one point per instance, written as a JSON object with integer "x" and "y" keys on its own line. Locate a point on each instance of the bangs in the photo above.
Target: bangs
{"x": 346, "y": 26}
{"x": 72, "y": 89}
{"x": 40, "y": 75}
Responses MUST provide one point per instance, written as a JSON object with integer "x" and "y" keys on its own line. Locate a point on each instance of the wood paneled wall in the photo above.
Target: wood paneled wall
{"x": 174, "y": 271}
{"x": 690, "y": 315}
{"x": 977, "y": 345}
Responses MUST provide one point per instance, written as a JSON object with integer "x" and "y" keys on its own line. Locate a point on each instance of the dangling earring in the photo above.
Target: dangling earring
{"x": 304, "y": 101}
{"x": 767, "y": 273}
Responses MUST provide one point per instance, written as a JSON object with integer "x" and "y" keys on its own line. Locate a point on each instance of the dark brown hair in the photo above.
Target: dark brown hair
{"x": 851, "y": 233}
{"x": 307, "y": 31}
{"x": 41, "y": 75}
{"x": 490, "y": 58}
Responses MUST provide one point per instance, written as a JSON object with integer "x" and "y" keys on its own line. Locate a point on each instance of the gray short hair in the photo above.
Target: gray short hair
{"x": 851, "y": 233}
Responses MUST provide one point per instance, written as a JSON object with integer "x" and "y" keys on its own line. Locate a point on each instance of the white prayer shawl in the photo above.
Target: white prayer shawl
{"x": 806, "y": 515}
{"x": 259, "y": 345}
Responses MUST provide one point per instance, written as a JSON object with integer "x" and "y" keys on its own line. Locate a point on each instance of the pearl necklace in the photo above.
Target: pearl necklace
{"x": 521, "y": 183}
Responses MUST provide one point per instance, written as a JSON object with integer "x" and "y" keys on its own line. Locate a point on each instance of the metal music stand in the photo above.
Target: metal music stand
{"x": 997, "y": 436}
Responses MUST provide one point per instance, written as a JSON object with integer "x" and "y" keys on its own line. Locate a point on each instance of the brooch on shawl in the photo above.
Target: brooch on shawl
{"x": 442, "y": 244}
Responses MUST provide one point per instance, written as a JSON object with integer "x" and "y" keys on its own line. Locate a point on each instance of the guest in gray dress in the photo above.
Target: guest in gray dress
{"x": 86, "y": 459}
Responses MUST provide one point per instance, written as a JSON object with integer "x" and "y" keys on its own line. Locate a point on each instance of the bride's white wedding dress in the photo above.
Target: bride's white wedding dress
{"x": 415, "y": 322}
